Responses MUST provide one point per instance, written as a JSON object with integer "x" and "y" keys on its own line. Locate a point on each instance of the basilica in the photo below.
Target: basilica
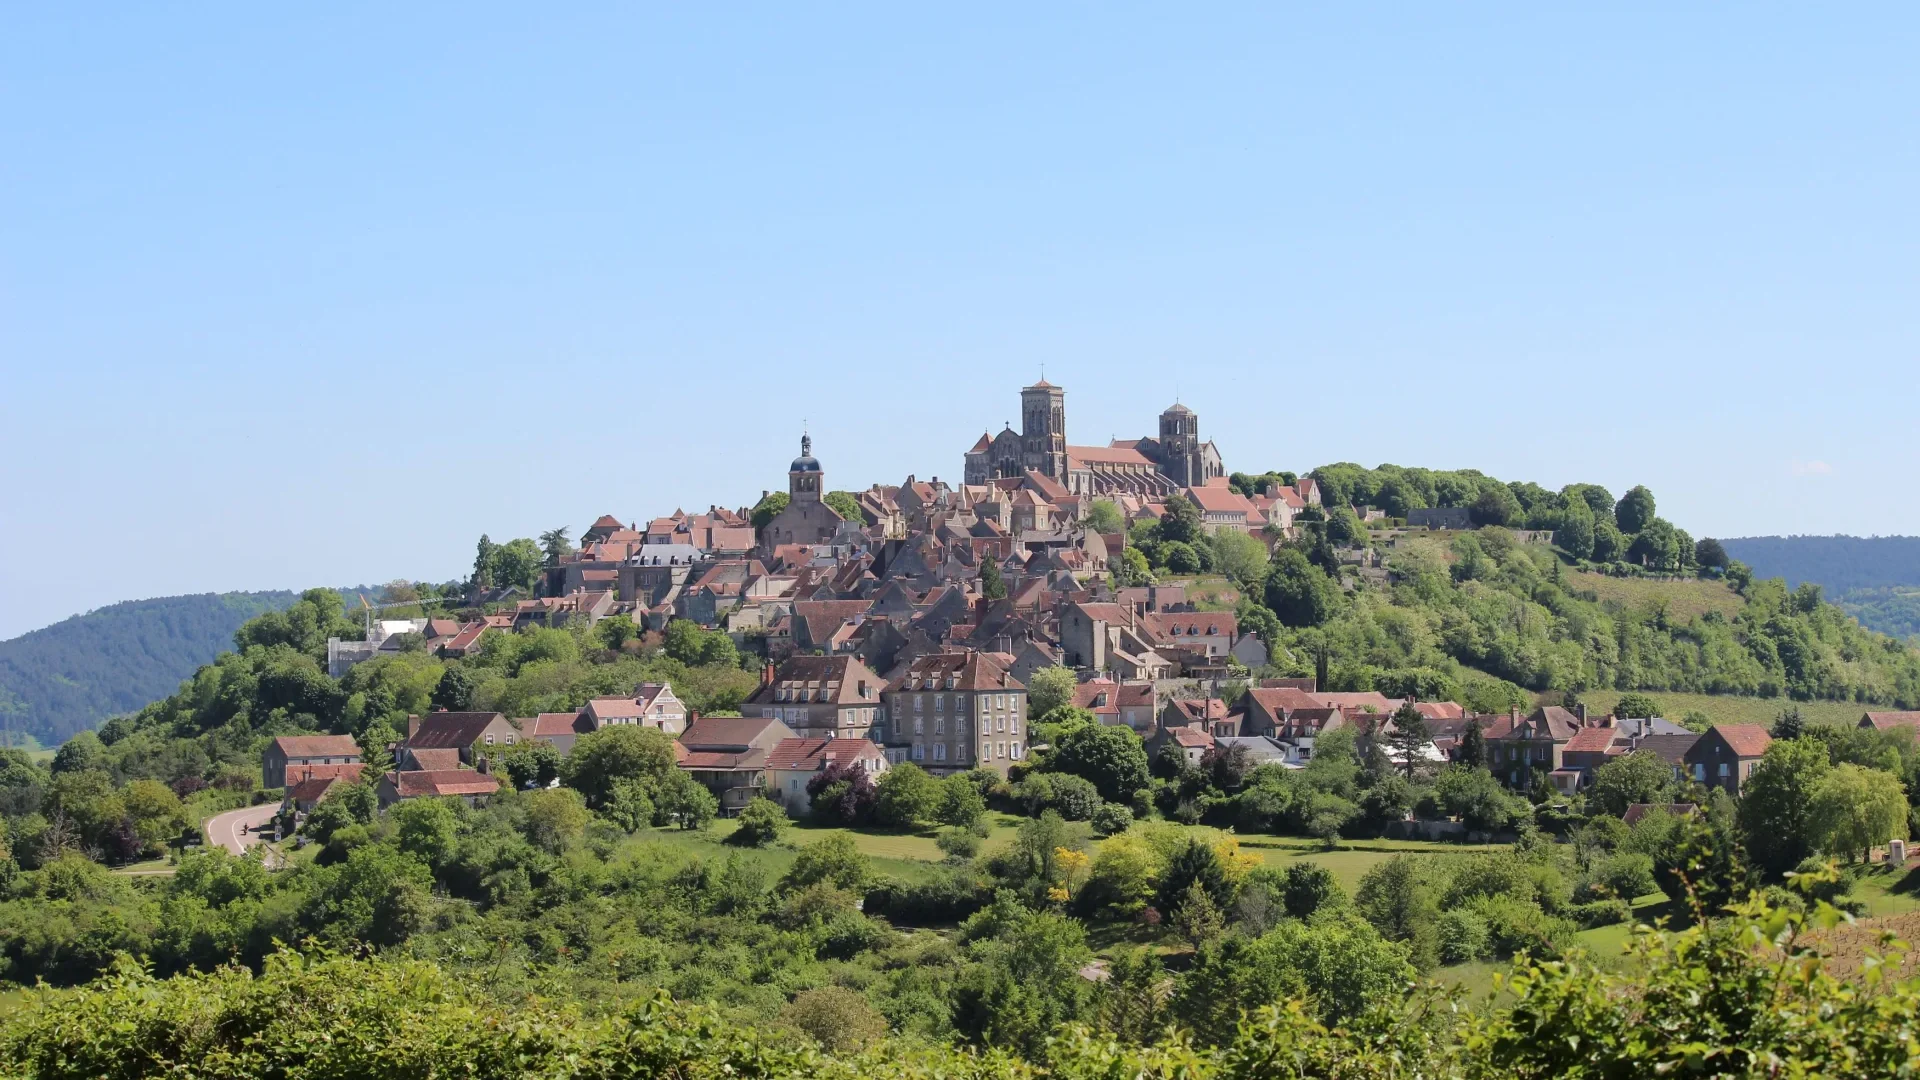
{"x": 1149, "y": 467}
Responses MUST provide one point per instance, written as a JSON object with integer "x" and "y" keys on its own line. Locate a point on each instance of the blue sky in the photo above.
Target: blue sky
{"x": 316, "y": 296}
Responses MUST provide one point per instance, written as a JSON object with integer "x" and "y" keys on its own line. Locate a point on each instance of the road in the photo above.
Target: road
{"x": 234, "y": 830}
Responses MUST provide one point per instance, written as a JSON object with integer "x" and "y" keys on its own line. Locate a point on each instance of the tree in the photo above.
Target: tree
{"x": 1495, "y": 505}
{"x": 1104, "y": 517}
{"x": 1397, "y": 899}
{"x": 768, "y": 508}
{"x": 1473, "y": 746}
{"x": 1609, "y": 545}
{"x": 992, "y": 585}
{"x": 1789, "y": 724}
{"x": 1180, "y": 557}
{"x": 620, "y": 752}
{"x": 155, "y": 812}
{"x": 517, "y": 563}
{"x": 82, "y": 753}
{"x": 556, "y": 818}
{"x": 1409, "y": 737}
{"x": 1130, "y": 568}
{"x": 759, "y": 823}
{"x": 1775, "y": 804}
{"x": 427, "y": 829}
{"x": 832, "y": 860}
{"x": 483, "y": 564}
{"x": 1048, "y": 689}
{"x": 1181, "y": 522}
{"x": 1635, "y": 511}
{"x": 1112, "y": 758}
{"x": 845, "y": 504}
{"x": 555, "y": 545}
{"x": 1298, "y": 592}
{"x": 1639, "y": 777}
{"x": 1636, "y": 706}
{"x": 1194, "y": 864}
{"x": 1308, "y": 888}
{"x": 1710, "y": 554}
{"x": 906, "y": 796}
{"x": 1196, "y": 916}
{"x": 1239, "y": 556}
{"x": 681, "y": 799}
{"x": 961, "y": 803}
{"x": 529, "y": 764}
{"x": 843, "y": 793}
{"x": 1575, "y": 534}
{"x": 1856, "y": 809}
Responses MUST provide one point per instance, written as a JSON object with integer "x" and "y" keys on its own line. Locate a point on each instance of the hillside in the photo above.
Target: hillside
{"x": 68, "y": 677}
{"x": 1875, "y": 579}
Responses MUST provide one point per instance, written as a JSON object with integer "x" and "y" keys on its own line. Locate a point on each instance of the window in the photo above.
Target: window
{"x": 919, "y": 702}
{"x": 1003, "y": 724}
{"x": 939, "y": 702}
{"x": 939, "y": 725}
{"x": 1002, "y": 748}
{"x": 999, "y": 701}
{"x": 939, "y": 751}
{"x": 919, "y": 752}
{"x": 1723, "y": 768}
{"x": 919, "y": 726}
{"x": 1013, "y": 725}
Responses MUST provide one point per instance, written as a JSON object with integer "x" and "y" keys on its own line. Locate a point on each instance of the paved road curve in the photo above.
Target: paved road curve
{"x": 234, "y": 830}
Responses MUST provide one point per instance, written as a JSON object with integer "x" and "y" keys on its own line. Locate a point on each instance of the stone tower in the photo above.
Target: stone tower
{"x": 1180, "y": 446}
{"x": 804, "y": 476}
{"x": 1043, "y": 429}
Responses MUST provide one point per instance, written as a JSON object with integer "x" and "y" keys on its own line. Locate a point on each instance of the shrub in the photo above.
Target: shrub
{"x": 1463, "y": 937}
{"x": 1075, "y": 798}
{"x": 1111, "y": 818}
{"x": 835, "y": 1017}
{"x": 1600, "y": 913}
{"x": 760, "y": 823}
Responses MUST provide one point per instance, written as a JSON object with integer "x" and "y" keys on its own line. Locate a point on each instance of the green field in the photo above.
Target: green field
{"x": 1350, "y": 861}
{"x": 1685, "y": 600}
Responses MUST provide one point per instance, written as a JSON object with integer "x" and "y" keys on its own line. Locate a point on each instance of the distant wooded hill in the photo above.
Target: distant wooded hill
{"x": 1875, "y": 579}
{"x": 68, "y": 677}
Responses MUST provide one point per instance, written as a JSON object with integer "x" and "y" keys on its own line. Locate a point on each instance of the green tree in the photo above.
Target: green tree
{"x": 1104, "y": 517}
{"x": 555, "y": 545}
{"x": 960, "y": 803}
{"x": 1048, "y": 689}
{"x": 1308, "y": 888}
{"x": 154, "y": 811}
{"x": 681, "y": 799}
{"x": 529, "y": 764}
{"x": 621, "y": 752}
{"x": 1130, "y": 568}
{"x": 1396, "y": 897}
{"x": 1635, "y": 511}
{"x": 759, "y": 823}
{"x": 907, "y": 796}
{"x": 82, "y": 753}
{"x": 1495, "y": 505}
{"x": 1298, "y": 592}
{"x": 768, "y": 508}
{"x": 427, "y": 829}
{"x": 1473, "y": 746}
{"x": 1639, "y": 777}
{"x": 556, "y": 818}
{"x": 483, "y": 563}
{"x": 1776, "y": 801}
{"x": 1239, "y": 556}
{"x": 517, "y": 563}
{"x": 837, "y": 1018}
{"x": 1856, "y": 809}
{"x": 832, "y": 860}
{"x": 992, "y": 585}
{"x": 1575, "y": 534}
{"x": 379, "y": 896}
{"x": 1112, "y": 758}
{"x": 1409, "y": 738}
{"x": 1710, "y": 554}
{"x": 1636, "y": 706}
{"x": 1181, "y": 522}
{"x": 1609, "y": 545}
{"x": 845, "y": 504}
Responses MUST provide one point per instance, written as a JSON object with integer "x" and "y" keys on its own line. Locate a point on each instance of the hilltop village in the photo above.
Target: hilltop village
{"x": 906, "y": 623}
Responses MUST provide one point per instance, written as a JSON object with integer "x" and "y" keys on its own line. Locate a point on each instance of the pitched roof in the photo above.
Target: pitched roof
{"x": 970, "y": 670}
{"x": 726, "y": 732}
{"x": 1591, "y": 740}
{"x": 307, "y": 791}
{"x": 1440, "y": 710}
{"x": 1279, "y": 700}
{"x": 616, "y": 708}
{"x": 434, "y": 760}
{"x": 450, "y": 729}
{"x": 298, "y": 746}
{"x": 415, "y": 783}
{"x": 1187, "y": 736}
{"x": 1746, "y": 740}
{"x": 1219, "y": 500}
{"x": 839, "y": 678}
{"x": 1108, "y": 455}
{"x": 1359, "y": 700}
{"x": 1671, "y": 747}
{"x": 1888, "y": 721}
{"x": 549, "y": 724}
{"x": 811, "y": 755}
{"x": 1200, "y": 709}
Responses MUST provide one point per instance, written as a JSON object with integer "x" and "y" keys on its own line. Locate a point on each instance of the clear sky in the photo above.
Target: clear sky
{"x": 316, "y": 294}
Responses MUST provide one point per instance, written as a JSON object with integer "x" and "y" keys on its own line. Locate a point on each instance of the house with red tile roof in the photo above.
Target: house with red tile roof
{"x": 467, "y": 785}
{"x": 794, "y": 762}
{"x": 1891, "y": 721}
{"x": 467, "y": 733}
{"x": 1532, "y": 746}
{"x": 953, "y": 711}
{"x": 1193, "y": 743}
{"x": 290, "y": 759}
{"x": 729, "y": 755}
{"x": 1725, "y": 755}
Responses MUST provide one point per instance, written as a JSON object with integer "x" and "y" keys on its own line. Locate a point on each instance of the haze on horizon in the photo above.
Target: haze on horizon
{"x": 298, "y": 297}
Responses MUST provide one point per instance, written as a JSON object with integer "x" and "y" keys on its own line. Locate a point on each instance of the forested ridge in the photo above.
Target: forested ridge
{"x": 1876, "y": 579}
{"x": 72, "y": 675}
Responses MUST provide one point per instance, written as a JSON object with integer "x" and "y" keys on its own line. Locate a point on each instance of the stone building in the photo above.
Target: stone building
{"x": 950, "y": 712}
{"x": 1155, "y": 466}
{"x": 807, "y": 519}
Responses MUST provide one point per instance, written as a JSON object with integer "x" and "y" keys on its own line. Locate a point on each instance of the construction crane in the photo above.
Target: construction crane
{"x": 371, "y": 608}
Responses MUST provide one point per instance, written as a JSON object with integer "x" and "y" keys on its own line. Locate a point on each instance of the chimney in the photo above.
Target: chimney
{"x": 766, "y": 674}
{"x": 1581, "y": 711}
{"x": 1513, "y": 713}
{"x": 483, "y": 766}
{"x": 413, "y": 725}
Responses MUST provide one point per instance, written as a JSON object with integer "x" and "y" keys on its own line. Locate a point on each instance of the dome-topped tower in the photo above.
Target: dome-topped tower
{"x": 804, "y": 476}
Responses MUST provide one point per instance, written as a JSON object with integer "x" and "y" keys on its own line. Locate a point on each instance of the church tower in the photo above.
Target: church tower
{"x": 1180, "y": 446}
{"x": 1043, "y": 429}
{"x": 804, "y": 476}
